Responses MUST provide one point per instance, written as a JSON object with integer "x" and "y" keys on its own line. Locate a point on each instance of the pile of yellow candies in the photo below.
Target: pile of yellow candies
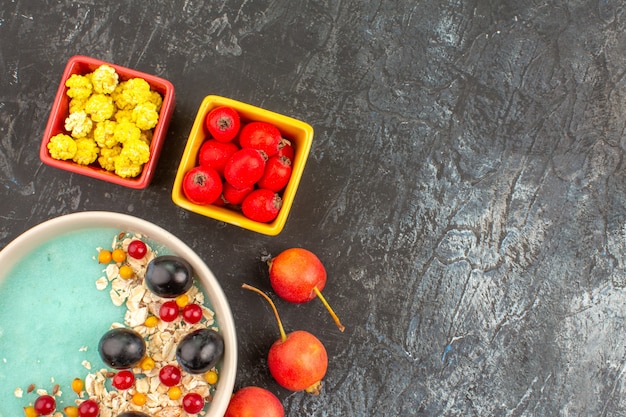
{"x": 110, "y": 122}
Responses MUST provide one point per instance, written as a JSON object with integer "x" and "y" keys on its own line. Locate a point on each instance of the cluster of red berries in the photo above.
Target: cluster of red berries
{"x": 136, "y": 249}
{"x": 191, "y": 313}
{"x": 242, "y": 165}
{"x": 170, "y": 376}
{"x": 45, "y": 405}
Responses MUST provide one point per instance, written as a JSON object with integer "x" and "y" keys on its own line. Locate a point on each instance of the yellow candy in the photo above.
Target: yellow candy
{"x": 147, "y": 364}
{"x": 126, "y": 272}
{"x": 174, "y": 392}
{"x": 139, "y": 399}
{"x": 71, "y": 411}
{"x": 30, "y": 411}
{"x": 211, "y": 377}
{"x": 77, "y": 385}
{"x": 119, "y": 255}
{"x": 104, "y": 256}
{"x": 151, "y": 321}
{"x": 182, "y": 300}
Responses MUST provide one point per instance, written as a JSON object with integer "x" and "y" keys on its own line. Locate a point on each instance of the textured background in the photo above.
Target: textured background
{"x": 465, "y": 188}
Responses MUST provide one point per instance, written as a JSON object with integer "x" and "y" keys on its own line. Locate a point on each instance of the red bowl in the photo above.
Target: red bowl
{"x": 60, "y": 110}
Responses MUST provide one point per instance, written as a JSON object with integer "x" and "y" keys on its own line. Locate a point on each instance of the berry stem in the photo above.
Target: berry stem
{"x": 283, "y": 336}
{"x": 330, "y": 310}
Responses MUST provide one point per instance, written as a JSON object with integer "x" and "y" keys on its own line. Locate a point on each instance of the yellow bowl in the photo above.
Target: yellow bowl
{"x": 299, "y": 133}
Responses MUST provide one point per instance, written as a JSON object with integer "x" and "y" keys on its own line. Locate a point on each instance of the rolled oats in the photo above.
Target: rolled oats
{"x": 161, "y": 342}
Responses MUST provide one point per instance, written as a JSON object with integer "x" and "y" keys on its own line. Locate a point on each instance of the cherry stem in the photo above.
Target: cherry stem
{"x": 329, "y": 308}
{"x": 283, "y": 336}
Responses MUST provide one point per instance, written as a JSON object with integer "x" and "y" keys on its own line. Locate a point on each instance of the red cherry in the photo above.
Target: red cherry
{"x": 298, "y": 362}
{"x": 45, "y": 405}
{"x": 193, "y": 403}
{"x": 297, "y": 275}
{"x": 88, "y": 408}
{"x": 168, "y": 311}
{"x": 137, "y": 249}
{"x": 252, "y": 401}
{"x": 170, "y": 375}
{"x": 192, "y": 313}
{"x": 123, "y": 380}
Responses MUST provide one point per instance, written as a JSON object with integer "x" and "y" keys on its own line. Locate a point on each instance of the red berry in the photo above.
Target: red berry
{"x": 234, "y": 195}
{"x": 262, "y": 205}
{"x": 220, "y": 202}
{"x": 260, "y": 135}
{"x": 223, "y": 123}
{"x": 192, "y": 313}
{"x": 123, "y": 380}
{"x": 202, "y": 185}
{"x": 137, "y": 249}
{"x": 168, "y": 311}
{"x": 45, "y": 405}
{"x": 244, "y": 168}
{"x": 88, "y": 408}
{"x": 193, "y": 403}
{"x": 170, "y": 375}
{"x": 277, "y": 173}
{"x": 285, "y": 148}
{"x": 215, "y": 154}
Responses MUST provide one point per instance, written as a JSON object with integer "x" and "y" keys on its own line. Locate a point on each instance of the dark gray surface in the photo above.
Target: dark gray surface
{"x": 465, "y": 187}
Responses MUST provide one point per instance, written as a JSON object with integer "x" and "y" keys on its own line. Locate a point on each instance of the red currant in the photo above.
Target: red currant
{"x": 88, "y": 408}
{"x": 45, "y": 405}
{"x": 193, "y": 403}
{"x": 168, "y": 311}
{"x": 137, "y": 249}
{"x": 170, "y": 375}
{"x": 123, "y": 380}
{"x": 192, "y": 313}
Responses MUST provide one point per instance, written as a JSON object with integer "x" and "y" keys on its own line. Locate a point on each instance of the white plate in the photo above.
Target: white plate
{"x": 94, "y": 223}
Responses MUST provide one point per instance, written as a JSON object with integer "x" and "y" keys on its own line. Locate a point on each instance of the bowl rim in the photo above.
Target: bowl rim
{"x": 225, "y": 214}
{"x": 167, "y": 110}
{"x": 33, "y": 237}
